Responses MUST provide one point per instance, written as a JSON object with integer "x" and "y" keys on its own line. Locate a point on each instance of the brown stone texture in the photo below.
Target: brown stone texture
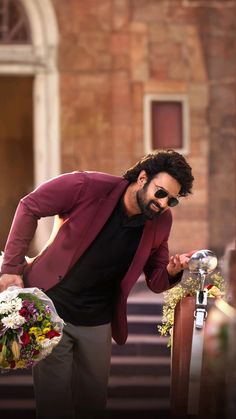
{"x": 121, "y": 14}
{"x": 218, "y": 34}
{"x": 112, "y": 53}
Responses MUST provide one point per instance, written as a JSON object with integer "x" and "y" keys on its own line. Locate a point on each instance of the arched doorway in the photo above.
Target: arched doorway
{"x": 30, "y": 110}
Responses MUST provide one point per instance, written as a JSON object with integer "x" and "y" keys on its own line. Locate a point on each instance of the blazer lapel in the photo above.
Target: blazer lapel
{"x": 140, "y": 258}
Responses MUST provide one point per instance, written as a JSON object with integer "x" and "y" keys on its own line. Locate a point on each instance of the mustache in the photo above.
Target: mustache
{"x": 157, "y": 205}
{"x": 150, "y": 213}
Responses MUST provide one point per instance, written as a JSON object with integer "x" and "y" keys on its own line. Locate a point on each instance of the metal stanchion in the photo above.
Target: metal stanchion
{"x": 202, "y": 262}
{"x": 197, "y": 353}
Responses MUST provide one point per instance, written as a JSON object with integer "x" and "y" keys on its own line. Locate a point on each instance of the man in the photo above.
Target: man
{"x": 111, "y": 230}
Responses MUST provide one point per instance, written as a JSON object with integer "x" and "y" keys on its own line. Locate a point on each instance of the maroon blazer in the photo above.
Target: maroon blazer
{"x": 84, "y": 201}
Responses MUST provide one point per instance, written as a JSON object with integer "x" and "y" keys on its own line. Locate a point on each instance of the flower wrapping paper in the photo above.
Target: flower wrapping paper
{"x": 29, "y": 327}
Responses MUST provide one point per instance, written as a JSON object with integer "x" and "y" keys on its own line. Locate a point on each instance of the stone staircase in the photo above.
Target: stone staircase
{"x": 17, "y": 395}
{"x": 140, "y": 371}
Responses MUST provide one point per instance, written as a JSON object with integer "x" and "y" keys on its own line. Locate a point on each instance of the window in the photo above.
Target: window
{"x": 166, "y": 122}
{"x": 14, "y": 26}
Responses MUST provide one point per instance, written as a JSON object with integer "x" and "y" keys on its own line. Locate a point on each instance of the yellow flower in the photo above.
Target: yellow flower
{"x": 4, "y": 351}
{"x": 36, "y": 331}
{"x": 1, "y": 358}
{"x": 40, "y": 338}
{"x": 20, "y": 364}
{"x": 32, "y": 330}
{"x": 46, "y": 330}
{"x": 15, "y": 350}
{"x": 214, "y": 292}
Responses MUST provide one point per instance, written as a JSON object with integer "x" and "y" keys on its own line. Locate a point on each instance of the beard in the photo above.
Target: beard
{"x": 145, "y": 207}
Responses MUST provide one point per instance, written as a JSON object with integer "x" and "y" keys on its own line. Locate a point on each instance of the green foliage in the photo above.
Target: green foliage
{"x": 32, "y": 298}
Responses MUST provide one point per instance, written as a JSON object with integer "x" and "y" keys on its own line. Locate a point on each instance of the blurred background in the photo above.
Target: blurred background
{"x": 97, "y": 84}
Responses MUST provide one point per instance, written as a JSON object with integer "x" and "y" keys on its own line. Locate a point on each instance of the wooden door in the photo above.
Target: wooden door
{"x": 16, "y": 146}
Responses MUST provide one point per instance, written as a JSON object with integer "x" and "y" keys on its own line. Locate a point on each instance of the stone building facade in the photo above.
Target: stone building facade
{"x": 96, "y": 69}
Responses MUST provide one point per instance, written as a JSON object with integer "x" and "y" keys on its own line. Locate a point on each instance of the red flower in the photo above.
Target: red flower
{"x": 12, "y": 364}
{"x": 25, "y": 338}
{"x": 209, "y": 286}
{"x": 23, "y": 312}
{"x": 52, "y": 333}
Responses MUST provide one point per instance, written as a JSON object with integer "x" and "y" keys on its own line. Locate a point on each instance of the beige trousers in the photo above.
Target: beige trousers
{"x": 72, "y": 381}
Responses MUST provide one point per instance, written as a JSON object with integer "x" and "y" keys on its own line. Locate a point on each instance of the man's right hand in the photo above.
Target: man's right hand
{"x": 6, "y": 280}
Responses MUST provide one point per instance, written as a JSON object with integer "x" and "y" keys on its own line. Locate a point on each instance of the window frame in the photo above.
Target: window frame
{"x": 166, "y": 97}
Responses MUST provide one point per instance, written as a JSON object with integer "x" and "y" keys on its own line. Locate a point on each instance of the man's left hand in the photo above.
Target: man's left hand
{"x": 179, "y": 262}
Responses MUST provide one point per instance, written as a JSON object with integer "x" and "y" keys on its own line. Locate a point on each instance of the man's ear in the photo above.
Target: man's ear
{"x": 142, "y": 178}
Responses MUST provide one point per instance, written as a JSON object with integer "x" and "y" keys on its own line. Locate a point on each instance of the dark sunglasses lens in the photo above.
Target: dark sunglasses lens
{"x": 172, "y": 202}
{"x": 161, "y": 193}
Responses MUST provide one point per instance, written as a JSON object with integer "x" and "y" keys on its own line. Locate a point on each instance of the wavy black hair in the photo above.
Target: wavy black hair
{"x": 168, "y": 161}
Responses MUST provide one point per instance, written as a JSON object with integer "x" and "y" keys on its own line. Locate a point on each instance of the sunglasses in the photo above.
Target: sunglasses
{"x": 162, "y": 193}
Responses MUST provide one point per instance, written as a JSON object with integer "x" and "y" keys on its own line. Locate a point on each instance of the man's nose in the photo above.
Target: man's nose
{"x": 163, "y": 202}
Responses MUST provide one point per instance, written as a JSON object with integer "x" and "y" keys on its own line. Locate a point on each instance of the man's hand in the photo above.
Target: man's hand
{"x": 179, "y": 262}
{"x": 6, "y": 280}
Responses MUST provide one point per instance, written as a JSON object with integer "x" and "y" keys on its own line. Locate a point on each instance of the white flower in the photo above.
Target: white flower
{"x": 9, "y": 306}
{"x": 46, "y": 346}
{"x": 45, "y": 343}
{"x": 5, "y": 307}
{"x": 13, "y": 321}
{"x": 16, "y": 304}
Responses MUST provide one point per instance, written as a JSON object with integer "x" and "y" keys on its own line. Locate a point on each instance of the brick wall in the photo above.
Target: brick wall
{"x": 217, "y": 29}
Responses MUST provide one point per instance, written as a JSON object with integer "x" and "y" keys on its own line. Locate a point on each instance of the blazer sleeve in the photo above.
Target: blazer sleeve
{"x": 156, "y": 274}
{"x": 59, "y": 195}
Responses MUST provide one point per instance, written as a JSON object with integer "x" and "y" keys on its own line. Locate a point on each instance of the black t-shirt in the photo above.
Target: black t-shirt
{"x": 85, "y": 295}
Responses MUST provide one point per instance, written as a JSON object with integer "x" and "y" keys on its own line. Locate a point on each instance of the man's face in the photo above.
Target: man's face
{"x": 150, "y": 205}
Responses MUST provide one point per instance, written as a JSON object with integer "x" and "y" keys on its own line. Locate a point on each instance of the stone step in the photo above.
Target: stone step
{"x": 142, "y": 345}
{"x": 152, "y": 408}
{"x": 140, "y": 365}
{"x": 22, "y": 392}
{"x": 19, "y": 414}
{"x": 143, "y": 324}
{"x": 139, "y": 386}
{"x": 16, "y": 386}
{"x": 16, "y": 404}
{"x": 152, "y": 404}
{"x": 121, "y": 387}
{"x": 141, "y": 307}
{"x": 16, "y": 380}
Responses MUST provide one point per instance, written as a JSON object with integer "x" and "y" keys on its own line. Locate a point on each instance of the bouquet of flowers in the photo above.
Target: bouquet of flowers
{"x": 29, "y": 327}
